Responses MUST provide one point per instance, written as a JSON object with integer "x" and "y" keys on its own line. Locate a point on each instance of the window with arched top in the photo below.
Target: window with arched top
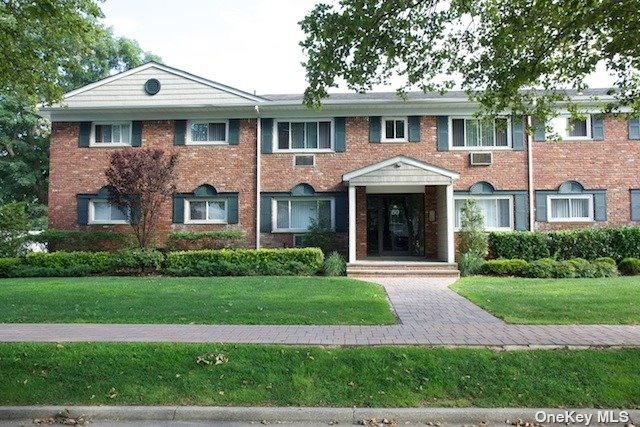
{"x": 496, "y": 207}
{"x": 205, "y": 205}
{"x": 571, "y": 202}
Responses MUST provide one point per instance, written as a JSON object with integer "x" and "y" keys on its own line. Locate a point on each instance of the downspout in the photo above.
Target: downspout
{"x": 258, "y": 162}
{"x": 530, "y": 170}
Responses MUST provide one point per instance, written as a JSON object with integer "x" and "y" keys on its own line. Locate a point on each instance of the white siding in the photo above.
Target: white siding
{"x": 406, "y": 174}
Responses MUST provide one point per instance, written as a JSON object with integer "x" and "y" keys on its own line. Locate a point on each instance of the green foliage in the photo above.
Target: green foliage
{"x": 525, "y": 245}
{"x": 470, "y": 264}
{"x": 504, "y": 267}
{"x": 95, "y": 262}
{"x": 320, "y": 236}
{"x": 260, "y": 261}
{"x": 91, "y": 241}
{"x": 606, "y": 260}
{"x": 8, "y": 264}
{"x": 14, "y": 225}
{"x": 491, "y": 44}
{"x": 472, "y": 237}
{"x": 136, "y": 260}
{"x": 334, "y": 265}
{"x": 629, "y": 267}
{"x": 588, "y": 243}
{"x": 24, "y": 270}
{"x": 548, "y": 268}
{"x": 583, "y": 268}
{"x": 605, "y": 269}
{"x": 198, "y": 240}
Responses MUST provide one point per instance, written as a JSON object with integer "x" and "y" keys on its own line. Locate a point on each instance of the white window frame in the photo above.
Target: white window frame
{"x": 570, "y": 197}
{"x": 275, "y": 142}
{"x": 189, "y": 141}
{"x": 562, "y": 130}
{"x": 92, "y": 138}
{"x": 383, "y": 130}
{"x": 479, "y": 148}
{"x": 92, "y": 214}
{"x": 274, "y": 212}
{"x": 493, "y": 197}
{"x": 187, "y": 211}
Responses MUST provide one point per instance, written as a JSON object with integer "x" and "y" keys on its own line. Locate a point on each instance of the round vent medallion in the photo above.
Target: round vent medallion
{"x": 152, "y": 86}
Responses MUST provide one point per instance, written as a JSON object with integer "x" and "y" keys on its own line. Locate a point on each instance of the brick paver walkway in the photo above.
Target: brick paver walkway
{"x": 428, "y": 311}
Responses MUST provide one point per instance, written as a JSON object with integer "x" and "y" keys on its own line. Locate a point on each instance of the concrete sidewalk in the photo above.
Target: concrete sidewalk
{"x": 429, "y": 314}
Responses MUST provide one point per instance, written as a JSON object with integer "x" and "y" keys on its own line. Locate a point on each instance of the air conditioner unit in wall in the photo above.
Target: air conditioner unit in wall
{"x": 304, "y": 160}
{"x": 484, "y": 158}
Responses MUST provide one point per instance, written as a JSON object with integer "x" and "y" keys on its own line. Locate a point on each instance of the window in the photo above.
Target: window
{"x": 570, "y": 208}
{"x": 567, "y": 128}
{"x": 112, "y": 133}
{"x": 496, "y": 211}
{"x": 394, "y": 129}
{"x": 207, "y": 132}
{"x": 478, "y": 134}
{"x": 103, "y": 212}
{"x": 300, "y": 136}
{"x": 210, "y": 211}
{"x": 298, "y": 215}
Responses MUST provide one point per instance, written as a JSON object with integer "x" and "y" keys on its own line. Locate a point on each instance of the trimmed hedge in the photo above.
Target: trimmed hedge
{"x": 588, "y": 243}
{"x": 246, "y": 261}
{"x": 629, "y": 267}
{"x": 199, "y": 240}
{"x": 550, "y": 268}
{"x": 8, "y": 264}
{"x": 88, "y": 241}
{"x": 136, "y": 261}
{"x": 94, "y": 262}
{"x": 504, "y": 267}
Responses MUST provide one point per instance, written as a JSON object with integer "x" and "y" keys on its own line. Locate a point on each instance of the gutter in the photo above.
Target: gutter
{"x": 530, "y": 170}
{"x": 258, "y": 177}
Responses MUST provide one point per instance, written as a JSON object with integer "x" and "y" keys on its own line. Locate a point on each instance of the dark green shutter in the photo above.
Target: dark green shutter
{"x": 414, "y": 128}
{"x": 178, "y": 208}
{"x": 82, "y": 209}
{"x": 180, "y": 131}
{"x": 600, "y": 206}
{"x": 340, "y": 137}
{"x": 136, "y": 134}
{"x": 521, "y": 211}
{"x": 84, "y": 135}
{"x": 266, "y": 126}
{"x": 540, "y": 133}
{"x": 375, "y": 124}
{"x": 597, "y": 127}
{"x": 265, "y": 214}
{"x": 635, "y": 205}
{"x": 517, "y": 133}
{"x": 232, "y": 209}
{"x": 341, "y": 214}
{"x": 634, "y": 128}
{"x": 234, "y": 132}
{"x": 442, "y": 135}
{"x": 541, "y": 206}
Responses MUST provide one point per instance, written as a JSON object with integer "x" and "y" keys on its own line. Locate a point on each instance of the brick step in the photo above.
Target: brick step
{"x": 442, "y": 267}
{"x": 402, "y": 273}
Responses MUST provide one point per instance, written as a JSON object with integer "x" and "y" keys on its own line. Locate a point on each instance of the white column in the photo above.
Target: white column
{"x": 352, "y": 224}
{"x": 451, "y": 252}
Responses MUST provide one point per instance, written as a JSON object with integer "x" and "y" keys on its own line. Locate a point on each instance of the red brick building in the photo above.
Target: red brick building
{"x": 388, "y": 175}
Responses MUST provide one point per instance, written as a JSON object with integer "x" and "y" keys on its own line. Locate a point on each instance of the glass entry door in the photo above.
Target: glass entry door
{"x": 395, "y": 224}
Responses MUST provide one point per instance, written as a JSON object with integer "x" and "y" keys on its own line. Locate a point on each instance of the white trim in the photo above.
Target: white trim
{"x": 564, "y": 131}
{"x": 383, "y": 130}
{"x": 168, "y": 69}
{"x": 92, "y": 136}
{"x": 509, "y": 130}
{"x": 187, "y": 211}
{"x": 451, "y": 247}
{"x": 275, "y": 142}
{"x": 403, "y": 159}
{"x": 485, "y": 197}
{"x": 92, "y": 214}
{"x": 570, "y": 197}
{"x": 352, "y": 224}
{"x": 274, "y": 212}
{"x": 188, "y": 141}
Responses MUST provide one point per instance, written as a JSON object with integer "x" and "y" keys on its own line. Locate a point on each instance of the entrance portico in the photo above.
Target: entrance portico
{"x": 397, "y": 221}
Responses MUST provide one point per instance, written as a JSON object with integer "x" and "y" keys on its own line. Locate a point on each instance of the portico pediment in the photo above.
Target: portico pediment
{"x": 400, "y": 170}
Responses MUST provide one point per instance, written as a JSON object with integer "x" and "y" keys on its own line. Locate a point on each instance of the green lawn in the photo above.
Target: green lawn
{"x": 163, "y": 374}
{"x": 556, "y": 301}
{"x": 211, "y": 300}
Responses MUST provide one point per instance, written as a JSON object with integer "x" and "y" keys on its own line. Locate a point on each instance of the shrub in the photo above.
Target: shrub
{"x": 470, "y": 264}
{"x": 629, "y": 267}
{"x": 198, "y": 240}
{"x": 504, "y": 267}
{"x": 583, "y": 268}
{"x": 136, "y": 260}
{"x": 472, "y": 237}
{"x": 564, "y": 270}
{"x": 14, "y": 224}
{"x": 542, "y": 268}
{"x": 260, "y": 261}
{"x": 95, "y": 262}
{"x": 604, "y": 269}
{"x": 8, "y": 264}
{"x": 320, "y": 236}
{"x": 35, "y": 271}
{"x": 89, "y": 241}
{"x": 525, "y": 245}
{"x": 334, "y": 265}
{"x": 607, "y": 260}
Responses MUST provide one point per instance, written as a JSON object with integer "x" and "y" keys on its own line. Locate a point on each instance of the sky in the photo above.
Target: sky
{"x": 251, "y": 45}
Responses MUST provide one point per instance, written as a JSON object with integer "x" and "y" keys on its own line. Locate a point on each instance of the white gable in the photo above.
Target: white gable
{"x": 177, "y": 89}
{"x": 400, "y": 170}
